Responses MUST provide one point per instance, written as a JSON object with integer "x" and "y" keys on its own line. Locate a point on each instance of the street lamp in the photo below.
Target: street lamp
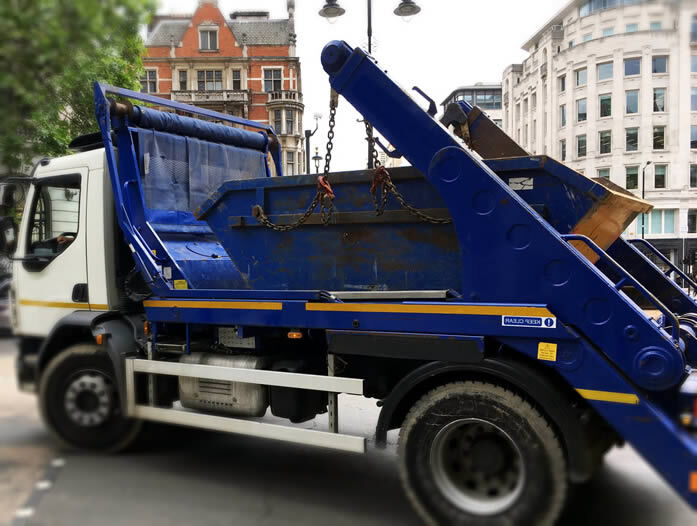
{"x": 643, "y": 193}
{"x": 309, "y": 134}
{"x": 316, "y": 158}
{"x": 406, "y": 9}
{"x": 331, "y": 10}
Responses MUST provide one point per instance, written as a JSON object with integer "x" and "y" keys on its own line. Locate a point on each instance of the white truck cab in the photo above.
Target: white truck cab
{"x": 65, "y": 256}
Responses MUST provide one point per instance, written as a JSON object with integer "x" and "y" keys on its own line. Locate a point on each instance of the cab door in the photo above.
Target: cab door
{"x": 50, "y": 269}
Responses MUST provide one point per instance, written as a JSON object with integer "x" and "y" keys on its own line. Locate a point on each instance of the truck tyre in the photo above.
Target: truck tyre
{"x": 79, "y": 401}
{"x": 475, "y": 453}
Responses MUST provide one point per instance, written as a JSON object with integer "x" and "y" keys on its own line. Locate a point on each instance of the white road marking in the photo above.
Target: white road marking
{"x": 43, "y": 485}
{"x": 58, "y": 462}
{"x": 23, "y": 513}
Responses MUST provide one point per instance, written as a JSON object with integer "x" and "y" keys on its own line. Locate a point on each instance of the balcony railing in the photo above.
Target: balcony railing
{"x": 285, "y": 95}
{"x": 196, "y": 96}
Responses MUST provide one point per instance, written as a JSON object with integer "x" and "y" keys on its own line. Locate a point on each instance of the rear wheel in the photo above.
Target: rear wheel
{"x": 476, "y": 453}
{"x": 79, "y": 401}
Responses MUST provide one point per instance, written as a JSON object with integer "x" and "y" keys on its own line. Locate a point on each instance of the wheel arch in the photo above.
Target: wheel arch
{"x": 553, "y": 399}
{"x": 122, "y": 335}
{"x": 69, "y": 330}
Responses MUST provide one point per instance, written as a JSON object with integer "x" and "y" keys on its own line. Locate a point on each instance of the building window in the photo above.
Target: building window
{"x": 668, "y": 221}
{"x": 498, "y": 122}
{"x": 693, "y": 176}
{"x": 659, "y": 175}
{"x": 632, "y": 28}
{"x": 488, "y": 100}
{"x": 236, "y": 79}
{"x": 632, "y": 177}
{"x": 290, "y": 163}
{"x": 182, "y": 81}
{"x": 659, "y": 99}
{"x": 632, "y": 66}
{"x": 693, "y": 64}
{"x": 632, "y": 142}
{"x": 277, "y": 124}
{"x": 148, "y": 82}
{"x": 659, "y": 137}
{"x": 693, "y": 99}
{"x": 562, "y": 83}
{"x": 605, "y": 105}
{"x": 562, "y": 150}
{"x": 562, "y": 115}
{"x": 290, "y": 122}
{"x": 655, "y": 26}
{"x": 605, "y": 71}
{"x": 604, "y": 172}
{"x": 659, "y": 64}
{"x": 692, "y": 221}
{"x": 581, "y": 145}
{"x": 581, "y": 77}
{"x": 632, "y": 105}
{"x": 659, "y": 221}
{"x": 605, "y": 137}
{"x": 210, "y": 80}
{"x": 693, "y": 137}
{"x": 208, "y": 39}
{"x": 581, "y": 110}
{"x": 608, "y": 31}
{"x": 571, "y": 44}
{"x": 272, "y": 80}
{"x": 587, "y": 37}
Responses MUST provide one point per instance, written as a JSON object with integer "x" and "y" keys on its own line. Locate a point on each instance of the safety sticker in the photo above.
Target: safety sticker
{"x": 547, "y": 351}
{"x": 539, "y": 322}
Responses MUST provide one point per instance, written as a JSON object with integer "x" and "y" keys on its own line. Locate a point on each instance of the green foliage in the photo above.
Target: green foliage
{"x": 51, "y": 52}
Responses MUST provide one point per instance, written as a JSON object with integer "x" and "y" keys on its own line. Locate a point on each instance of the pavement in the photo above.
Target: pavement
{"x": 181, "y": 476}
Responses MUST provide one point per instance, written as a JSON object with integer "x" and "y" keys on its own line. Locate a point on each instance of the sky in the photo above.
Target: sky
{"x": 450, "y": 43}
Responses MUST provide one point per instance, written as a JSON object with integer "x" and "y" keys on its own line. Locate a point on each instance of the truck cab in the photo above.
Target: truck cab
{"x": 65, "y": 261}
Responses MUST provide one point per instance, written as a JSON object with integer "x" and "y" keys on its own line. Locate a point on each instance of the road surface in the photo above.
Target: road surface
{"x": 182, "y": 477}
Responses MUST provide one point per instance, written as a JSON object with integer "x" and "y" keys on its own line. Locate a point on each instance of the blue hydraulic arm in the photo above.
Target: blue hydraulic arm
{"x": 509, "y": 252}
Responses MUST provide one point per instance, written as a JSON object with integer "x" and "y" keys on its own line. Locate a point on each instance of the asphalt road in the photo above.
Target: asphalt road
{"x": 178, "y": 476}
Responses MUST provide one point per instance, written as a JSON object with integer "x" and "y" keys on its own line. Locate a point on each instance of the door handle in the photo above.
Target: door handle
{"x": 80, "y": 293}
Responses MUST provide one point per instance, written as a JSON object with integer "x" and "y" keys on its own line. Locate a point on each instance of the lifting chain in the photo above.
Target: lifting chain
{"x": 383, "y": 186}
{"x": 324, "y": 196}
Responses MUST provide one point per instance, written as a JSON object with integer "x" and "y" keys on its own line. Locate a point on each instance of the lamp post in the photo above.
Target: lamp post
{"x": 643, "y": 193}
{"x": 309, "y": 134}
{"x": 317, "y": 159}
{"x": 331, "y": 10}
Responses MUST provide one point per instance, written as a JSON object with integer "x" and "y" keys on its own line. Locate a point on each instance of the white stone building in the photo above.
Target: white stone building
{"x": 610, "y": 86}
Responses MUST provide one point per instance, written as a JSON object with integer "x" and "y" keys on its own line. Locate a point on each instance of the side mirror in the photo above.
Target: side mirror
{"x": 8, "y": 235}
{"x": 7, "y": 195}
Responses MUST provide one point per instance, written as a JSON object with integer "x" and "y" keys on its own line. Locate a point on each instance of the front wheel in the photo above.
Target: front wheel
{"x": 475, "y": 453}
{"x": 79, "y": 401}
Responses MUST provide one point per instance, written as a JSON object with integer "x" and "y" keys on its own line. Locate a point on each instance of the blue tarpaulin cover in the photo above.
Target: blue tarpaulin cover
{"x": 180, "y": 173}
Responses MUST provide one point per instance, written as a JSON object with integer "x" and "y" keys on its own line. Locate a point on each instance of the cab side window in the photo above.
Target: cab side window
{"x": 55, "y": 217}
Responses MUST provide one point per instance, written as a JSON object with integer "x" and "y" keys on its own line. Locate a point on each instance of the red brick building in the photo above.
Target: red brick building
{"x": 244, "y": 65}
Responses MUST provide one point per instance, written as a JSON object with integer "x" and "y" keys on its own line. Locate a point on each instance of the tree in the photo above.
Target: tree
{"x": 52, "y": 51}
